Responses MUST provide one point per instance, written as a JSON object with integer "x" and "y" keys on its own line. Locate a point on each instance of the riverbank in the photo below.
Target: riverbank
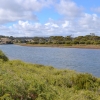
{"x": 61, "y": 46}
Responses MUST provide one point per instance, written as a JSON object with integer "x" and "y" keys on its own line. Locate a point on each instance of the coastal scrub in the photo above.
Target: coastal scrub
{"x": 25, "y": 81}
{"x": 3, "y": 56}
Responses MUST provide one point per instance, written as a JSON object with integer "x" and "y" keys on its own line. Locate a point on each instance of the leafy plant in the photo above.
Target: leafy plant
{"x": 25, "y": 81}
{"x": 3, "y": 56}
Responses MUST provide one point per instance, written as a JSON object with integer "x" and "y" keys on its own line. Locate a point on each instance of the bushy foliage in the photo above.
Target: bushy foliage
{"x": 24, "y": 81}
{"x": 86, "y": 81}
{"x": 90, "y": 39}
{"x": 3, "y": 56}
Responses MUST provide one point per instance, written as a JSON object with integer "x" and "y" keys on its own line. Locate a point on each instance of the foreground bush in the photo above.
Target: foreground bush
{"x": 3, "y": 56}
{"x": 23, "y": 81}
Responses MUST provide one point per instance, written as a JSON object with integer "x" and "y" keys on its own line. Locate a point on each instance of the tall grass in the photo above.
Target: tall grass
{"x": 24, "y": 81}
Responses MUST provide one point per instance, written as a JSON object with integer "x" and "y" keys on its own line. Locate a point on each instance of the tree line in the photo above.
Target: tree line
{"x": 68, "y": 40}
{"x": 91, "y": 39}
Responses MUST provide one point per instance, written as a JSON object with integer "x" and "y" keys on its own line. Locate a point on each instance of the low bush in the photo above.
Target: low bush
{"x": 86, "y": 81}
{"x": 25, "y": 81}
{"x": 3, "y": 56}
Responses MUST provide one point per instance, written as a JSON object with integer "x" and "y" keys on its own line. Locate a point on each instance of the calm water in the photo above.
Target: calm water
{"x": 82, "y": 60}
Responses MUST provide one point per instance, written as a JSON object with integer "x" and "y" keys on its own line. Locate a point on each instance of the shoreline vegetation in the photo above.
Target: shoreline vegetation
{"x": 25, "y": 81}
{"x": 60, "y": 45}
{"x": 90, "y": 41}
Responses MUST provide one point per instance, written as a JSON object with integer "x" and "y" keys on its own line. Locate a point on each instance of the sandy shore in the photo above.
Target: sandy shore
{"x": 61, "y": 46}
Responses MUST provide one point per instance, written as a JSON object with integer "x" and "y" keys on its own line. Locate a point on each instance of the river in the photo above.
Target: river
{"x": 81, "y": 60}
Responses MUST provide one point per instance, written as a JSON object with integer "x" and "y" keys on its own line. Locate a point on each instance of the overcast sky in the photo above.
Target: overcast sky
{"x": 49, "y": 17}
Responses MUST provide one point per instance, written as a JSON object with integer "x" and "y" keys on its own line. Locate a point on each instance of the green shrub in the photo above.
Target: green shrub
{"x": 82, "y": 42}
{"x": 3, "y": 56}
{"x": 25, "y": 81}
{"x": 86, "y": 81}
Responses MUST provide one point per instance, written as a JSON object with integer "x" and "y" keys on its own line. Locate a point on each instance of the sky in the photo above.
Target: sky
{"x": 31, "y": 18}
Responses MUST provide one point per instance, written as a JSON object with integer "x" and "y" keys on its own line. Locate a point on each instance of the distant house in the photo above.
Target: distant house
{"x": 5, "y": 41}
{"x": 29, "y": 40}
